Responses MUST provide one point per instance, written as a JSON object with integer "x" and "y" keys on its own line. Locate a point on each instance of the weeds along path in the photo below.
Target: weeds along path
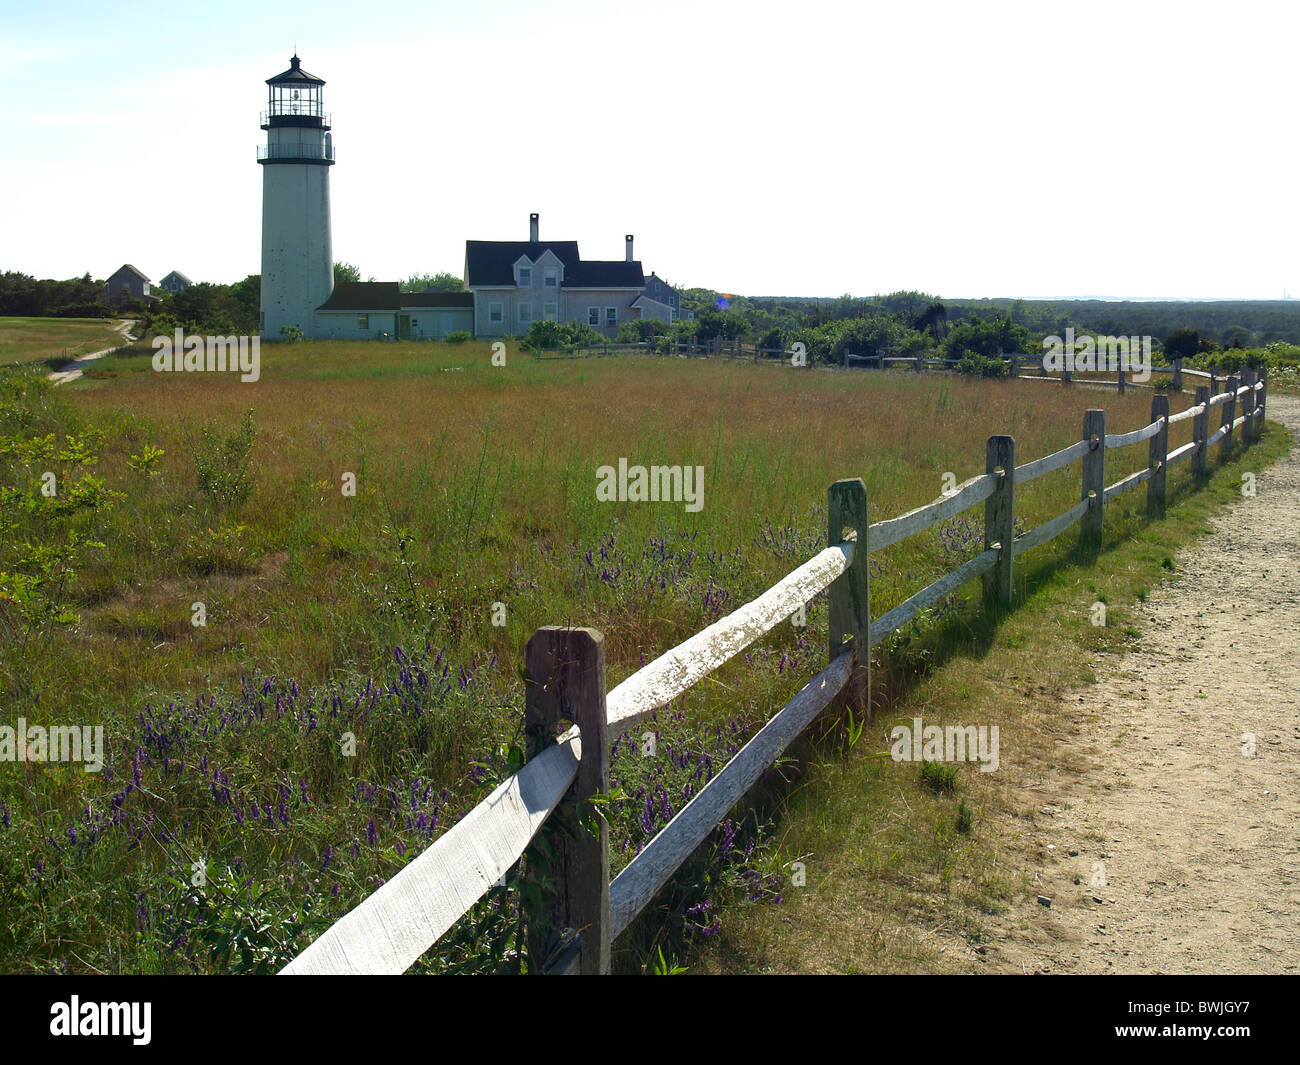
{"x": 1198, "y": 842}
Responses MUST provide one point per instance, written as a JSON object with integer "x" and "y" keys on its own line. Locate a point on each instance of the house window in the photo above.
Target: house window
{"x": 363, "y": 321}
{"x": 551, "y": 278}
{"x": 672, "y": 314}
{"x": 496, "y": 313}
{"x": 525, "y": 313}
{"x": 525, "y": 277}
{"x": 593, "y": 316}
{"x": 611, "y": 316}
{"x": 548, "y": 311}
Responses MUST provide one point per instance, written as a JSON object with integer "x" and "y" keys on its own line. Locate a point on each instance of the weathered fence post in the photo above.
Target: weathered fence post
{"x": 1094, "y": 473}
{"x": 1000, "y": 516}
{"x": 1260, "y": 397}
{"x": 1120, "y": 372}
{"x": 1065, "y": 375}
{"x": 920, "y": 362}
{"x": 1229, "y": 413}
{"x": 1200, "y": 429}
{"x": 565, "y": 669}
{"x": 1015, "y": 364}
{"x": 1157, "y": 456}
{"x": 850, "y": 592}
{"x": 1248, "y": 405}
{"x": 844, "y": 359}
{"x": 1178, "y": 372}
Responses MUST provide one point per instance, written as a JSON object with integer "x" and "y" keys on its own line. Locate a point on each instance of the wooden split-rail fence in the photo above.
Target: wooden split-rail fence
{"x": 565, "y": 680}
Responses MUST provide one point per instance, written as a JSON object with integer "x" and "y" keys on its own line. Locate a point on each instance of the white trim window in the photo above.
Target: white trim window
{"x": 525, "y": 277}
{"x": 593, "y": 316}
{"x": 551, "y": 277}
{"x": 548, "y": 312}
{"x": 525, "y": 314}
{"x": 363, "y": 321}
{"x": 496, "y": 313}
{"x": 611, "y": 316}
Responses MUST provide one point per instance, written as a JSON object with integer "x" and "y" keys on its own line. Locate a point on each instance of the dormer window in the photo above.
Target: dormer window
{"x": 525, "y": 277}
{"x": 551, "y": 278}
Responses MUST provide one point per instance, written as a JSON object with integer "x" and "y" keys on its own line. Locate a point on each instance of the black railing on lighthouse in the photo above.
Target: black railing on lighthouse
{"x": 296, "y": 151}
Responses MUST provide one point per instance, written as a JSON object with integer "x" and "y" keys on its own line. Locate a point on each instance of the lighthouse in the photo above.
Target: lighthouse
{"x": 297, "y": 262}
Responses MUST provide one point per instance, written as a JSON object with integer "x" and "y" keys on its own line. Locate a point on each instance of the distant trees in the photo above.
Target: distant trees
{"x": 222, "y": 310}
{"x": 443, "y": 281}
{"x": 347, "y": 272}
{"x": 26, "y": 296}
{"x": 994, "y": 335}
{"x": 1182, "y": 343}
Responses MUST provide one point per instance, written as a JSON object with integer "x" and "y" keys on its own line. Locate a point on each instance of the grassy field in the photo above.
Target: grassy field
{"x": 372, "y": 614}
{"x": 53, "y": 341}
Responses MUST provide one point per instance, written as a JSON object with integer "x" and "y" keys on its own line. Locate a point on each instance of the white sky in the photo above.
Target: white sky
{"x": 1131, "y": 149}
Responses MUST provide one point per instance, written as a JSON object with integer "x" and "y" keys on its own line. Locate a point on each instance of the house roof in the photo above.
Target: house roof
{"x": 491, "y": 262}
{"x": 295, "y": 75}
{"x": 600, "y": 273}
{"x": 179, "y": 277}
{"x": 127, "y": 266}
{"x": 645, "y": 297}
{"x": 435, "y": 298}
{"x": 363, "y": 296}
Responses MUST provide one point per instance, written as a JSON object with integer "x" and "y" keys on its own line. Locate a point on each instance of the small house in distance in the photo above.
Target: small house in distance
{"x": 175, "y": 282}
{"x": 128, "y": 283}
{"x": 661, "y": 302}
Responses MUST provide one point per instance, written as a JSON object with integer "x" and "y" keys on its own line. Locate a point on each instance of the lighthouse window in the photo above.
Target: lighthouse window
{"x": 363, "y": 321}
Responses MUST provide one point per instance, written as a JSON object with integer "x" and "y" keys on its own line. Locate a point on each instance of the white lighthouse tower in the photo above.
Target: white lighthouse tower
{"x": 297, "y": 260}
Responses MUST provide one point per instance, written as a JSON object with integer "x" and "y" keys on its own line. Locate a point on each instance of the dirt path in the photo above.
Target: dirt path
{"x": 72, "y": 370}
{"x": 1198, "y": 842}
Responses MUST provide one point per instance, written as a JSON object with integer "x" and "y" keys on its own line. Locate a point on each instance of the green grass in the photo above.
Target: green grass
{"x": 474, "y": 486}
{"x": 53, "y": 341}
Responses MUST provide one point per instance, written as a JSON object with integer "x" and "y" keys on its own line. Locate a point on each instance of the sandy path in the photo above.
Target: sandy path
{"x": 1199, "y": 843}
{"x": 72, "y": 370}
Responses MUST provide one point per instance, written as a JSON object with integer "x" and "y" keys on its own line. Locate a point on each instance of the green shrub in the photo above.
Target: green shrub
{"x": 224, "y": 469}
{"x": 977, "y": 365}
{"x": 641, "y": 330}
{"x": 291, "y": 333}
{"x": 548, "y": 336}
{"x": 939, "y": 777}
{"x": 460, "y": 336}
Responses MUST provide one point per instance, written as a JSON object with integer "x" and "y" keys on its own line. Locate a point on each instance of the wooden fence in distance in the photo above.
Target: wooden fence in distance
{"x": 565, "y": 680}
